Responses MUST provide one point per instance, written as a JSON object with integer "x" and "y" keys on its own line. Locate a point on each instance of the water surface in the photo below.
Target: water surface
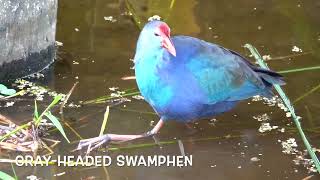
{"x": 102, "y": 51}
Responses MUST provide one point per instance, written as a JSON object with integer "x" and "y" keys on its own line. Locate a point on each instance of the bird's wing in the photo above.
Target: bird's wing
{"x": 223, "y": 75}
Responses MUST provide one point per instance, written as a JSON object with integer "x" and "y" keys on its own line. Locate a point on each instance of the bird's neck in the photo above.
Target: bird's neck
{"x": 149, "y": 53}
{"x": 147, "y": 66}
{"x": 146, "y": 61}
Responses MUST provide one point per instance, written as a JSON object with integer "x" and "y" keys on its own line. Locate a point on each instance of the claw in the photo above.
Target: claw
{"x": 96, "y": 142}
{"x": 149, "y": 134}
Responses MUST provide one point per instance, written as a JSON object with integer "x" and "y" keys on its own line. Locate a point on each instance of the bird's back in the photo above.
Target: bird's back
{"x": 203, "y": 80}
{"x": 222, "y": 74}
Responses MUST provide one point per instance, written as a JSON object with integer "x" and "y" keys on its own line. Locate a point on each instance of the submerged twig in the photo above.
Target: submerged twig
{"x": 288, "y": 56}
{"x": 181, "y": 147}
{"x": 5, "y": 119}
{"x": 62, "y": 107}
{"x": 307, "y": 94}
{"x": 128, "y": 78}
{"x": 14, "y": 147}
{"x": 55, "y": 142}
{"x": 309, "y": 116}
{"x": 146, "y": 145}
{"x": 14, "y": 171}
{"x": 67, "y": 97}
{"x": 134, "y": 15}
{"x": 136, "y": 111}
{"x": 47, "y": 147}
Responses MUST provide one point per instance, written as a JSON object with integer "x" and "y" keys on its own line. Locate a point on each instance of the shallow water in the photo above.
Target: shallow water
{"x": 103, "y": 50}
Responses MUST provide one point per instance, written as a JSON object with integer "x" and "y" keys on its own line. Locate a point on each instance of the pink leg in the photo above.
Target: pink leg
{"x": 98, "y": 141}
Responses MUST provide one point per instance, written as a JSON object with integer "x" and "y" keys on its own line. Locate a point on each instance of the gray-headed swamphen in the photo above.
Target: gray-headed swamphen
{"x": 186, "y": 79}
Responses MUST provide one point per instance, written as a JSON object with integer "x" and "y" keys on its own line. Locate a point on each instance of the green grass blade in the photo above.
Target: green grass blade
{"x": 299, "y": 70}
{"x": 287, "y": 102}
{"x": 171, "y": 4}
{"x": 5, "y": 176}
{"x": 54, "y": 102}
{"x": 36, "y": 113}
{"x": 57, "y": 124}
{"x": 104, "y": 123}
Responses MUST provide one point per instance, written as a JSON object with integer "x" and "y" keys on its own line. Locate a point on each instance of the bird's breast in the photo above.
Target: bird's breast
{"x": 170, "y": 89}
{"x": 151, "y": 84}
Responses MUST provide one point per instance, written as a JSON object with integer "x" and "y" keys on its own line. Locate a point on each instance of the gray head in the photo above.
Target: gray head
{"x": 156, "y": 34}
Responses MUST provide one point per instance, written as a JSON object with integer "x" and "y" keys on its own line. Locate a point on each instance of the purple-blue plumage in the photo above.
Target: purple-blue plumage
{"x": 186, "y": 79}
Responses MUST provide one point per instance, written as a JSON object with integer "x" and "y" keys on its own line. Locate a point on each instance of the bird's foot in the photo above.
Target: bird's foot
{"x": 153, "y": 135}
{"x": 149, "y": 134}
{"x": 93, "y": 143}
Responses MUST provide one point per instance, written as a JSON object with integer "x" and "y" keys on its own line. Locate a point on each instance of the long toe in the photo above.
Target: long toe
{"x": 93, "y": 143}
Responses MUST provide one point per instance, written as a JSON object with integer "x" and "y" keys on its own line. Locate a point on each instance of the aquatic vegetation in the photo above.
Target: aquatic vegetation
{"x": 25, "y": 137}
{"x": 263, "y": 117}
{"x": 97, "y": 143}
{"x": 303, "y": 158}
{"x": 110, "y": 19}
{"x": 37, "y": 119}
{"x": 287, "y": 103}
{"x": 6, "y": 91}
{"x": 289, "y": 146}
{"x": 6, "y": 176}
{"x": 266, "y": 127}
{"x": 33, "y": 89}
{"x": 296, "y": 49}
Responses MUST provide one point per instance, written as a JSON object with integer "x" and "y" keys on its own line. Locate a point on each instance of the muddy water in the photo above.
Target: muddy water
{"x": 97, "y": 52}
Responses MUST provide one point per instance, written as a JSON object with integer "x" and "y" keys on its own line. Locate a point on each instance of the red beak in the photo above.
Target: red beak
{"x": 167, "y": 43}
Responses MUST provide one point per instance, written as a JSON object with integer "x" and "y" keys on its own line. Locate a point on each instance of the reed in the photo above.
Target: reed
{"x": 299, "y": 70}
{"x": 37, "y": 120}
{"x": 288, "y": 104}
{"x": 104, "y": 123}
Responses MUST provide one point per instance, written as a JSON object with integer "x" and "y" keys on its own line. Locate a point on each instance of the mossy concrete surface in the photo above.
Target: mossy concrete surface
{"x": 27, "y": 36}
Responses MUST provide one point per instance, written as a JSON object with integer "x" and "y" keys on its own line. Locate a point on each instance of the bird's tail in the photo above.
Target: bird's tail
{"x": 269, "y": 78}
